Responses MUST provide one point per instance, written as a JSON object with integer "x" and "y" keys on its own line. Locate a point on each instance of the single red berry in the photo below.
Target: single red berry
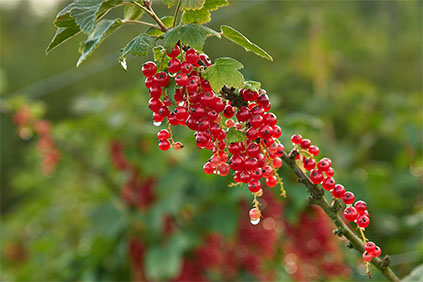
{"x": 314, "y": 150}
{"x": 251, "y": 164}
{"x": 360, "y": 206}
{"x": 305, "y": 143}
{"x": 205, "y": 60}
{"x": 243, "y": 114}
{"x": 163, "y": 134}
{"x": 376, "y": 252}
{"x": 267, "y": 171}
{"x": 192, "y": 57}
{"x": 164, "y": 145}
{"x": 254, "y": 214}
{"x": 178, "y": 146}
{"x": 256, "y": 121}
{"x": 149, "y": 69}
{"x": 263, "y": 99}
{"x": 174, "y": 65}
{"x": 254, "y": 186}
{"x": 348, "y": 198}
{"x": 296, "y": 139}
{"x": 223, "y": 169}
{"x": 248, "y": 95}
{"x": 279, "y": 152}
{"x": 339, "y": 191}
{"x": 162, "y": 78}
{"x": 252, "y": 134}
{"x": 181, "y": 79}
{"x": 186, "y": 68}
{"x": 328, "y": 183}
{"x": 370, "y": 247}
{"x": 228, "y": 112}
{"x": 350, "y": 213}
{"x": 229, "y": 123}
{"x": 149, "y": 82}
{"x": 154, "y": 104}
{"x": 367, "y": 256}
{"x": 157, "y": 117}
{"x": 266, "y": 131}
{"x": 155, "y": 91}
{"x": 256, "y": 110}
{"x": 309, "y": 164}
{"x": 253, "y": 149}
{"x": 277, "y": 131}
{"x": 316, "y": 176}
{"x": 208, "y": 168}
{"x": 236, "y": 148}
{"x": 363, "y": 221}
{"x": 175, "y": 52}
{"x": 329, "y": 172}
{"x": 271, "y": 181}
{"x": 270, "y": 119}
{"x": 236, "y": 162}
{"x": 277, "y": 163}
{"x": 324, "y": 164}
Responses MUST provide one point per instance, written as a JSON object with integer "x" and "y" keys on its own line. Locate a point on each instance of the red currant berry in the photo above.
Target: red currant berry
{"x": 157, "y": 117}
{"x": 208, "y": 168}
{"x": 305, "y": 143}
{"x": 277, "y": 131}
{"x": 279, "y": 152}
{"x": 243, "y": 114}
{"x": 314, "y": 150}
{"x": 251, "y": 164}
{"x": 254, "y": 186}
{"x": 350, "y": 214}
{"x": 223, "y": 169}
{"x": 376, "y": 252}
{"x": 329, "y": 172}
{"x": 257, "y": 174}
{"x": 309, "y": 164}
{"x": 263, "y": 100}
{"x": 254, "y": 214}
{"x": 205, "y": 60}
{"x": 163, "y": 134}
{"x": 174, "y": 65}
{"x": 192, "y": 57}
{"x": 162, "y": 79}
{"x": 348, "y": 198}
{"x": 277, "y": 163}
{"x": 266, "y": 131}
{"x": 175, "y": 52}
{"x": 271, "y": 181}
{"x": 367, "y": 256}
{"x": 316, "y": 176}
{"x": 267, "y": 171}
{"x": 363, "y": 221}
{"x": 328, "y": 183}
{"x": 155, "y": 92}
{"x": 186, "y": 68}
{"x": 228, "y": 112}
{"x": 164, "y": 145}
{"x": 236, "y": 163}
{"x": 324, "y": 164}
{"x": 370, "y": 247}
{"x": 149, "y": 69}
{"x": 154, "y": 104}
{"x": 149, "y": 82}
{"x": 360, "y": 206}
{"x": 253, "y": 149}
{"x": 339, "y": 191}
{"x": 181, "y": 79}
{"x": 256, "y": 121}
{"x": 178, "y": 146}
{"x": 252, "y": 134}
{"x": 229, "y": 123}
{"x": 236, "y": 148}
{"x": 296, "y": 139}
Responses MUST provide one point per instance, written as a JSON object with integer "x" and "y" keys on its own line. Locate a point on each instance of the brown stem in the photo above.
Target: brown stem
{"x": 149, "y": 10}
{"x": 317, "y": 198}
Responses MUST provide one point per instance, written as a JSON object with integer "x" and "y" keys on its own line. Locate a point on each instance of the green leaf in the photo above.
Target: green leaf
{"x": 169, "y": 3}
{"x": 192, "y": 35}
{"x": 167, "y": 21}
{"x": 162, "y": 262}
{"x": 203, "y": 15}
{"x": 252, "y": 85}
{"x": 103, "y": 29}
{"x": 132, "y": 12}
{"x": 416, "y": 275}
{"x": 160, "y": 54}
{"x": 224, "y": 72}
{"x": 170, "y": 91}
{"x": 62, "y": 34}
{"x": 234, "y": 135}
{"x": 138, "y": 46}
{"x": 235, "y": 36}
{"x": 192, "y": 4}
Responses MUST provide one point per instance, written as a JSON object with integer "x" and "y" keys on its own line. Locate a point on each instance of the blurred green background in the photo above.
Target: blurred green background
{"x": 346, "y": 74}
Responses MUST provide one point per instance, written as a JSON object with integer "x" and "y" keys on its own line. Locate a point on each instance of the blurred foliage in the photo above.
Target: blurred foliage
{"x": 347, "y": 75}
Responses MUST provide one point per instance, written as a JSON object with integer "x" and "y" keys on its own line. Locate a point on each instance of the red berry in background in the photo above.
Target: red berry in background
{"x": 316, "y": 176}
{"x": 309, "y": 164}
{"x": 370, "y": 247}
{"x": 174, "y": 65}
{"x": 162, "y": 78}
{"x": 339, "y": 191}
{"x": 348, "y": 198}
{"x": 254, "y": 186}
{"x": 149, "y": 69}
{"x": 178, "y": 146}
{"x": 163, "y": 134}
{"x": 324, "y": 164}
{"x": 329, "y": 172}
{"x": 350, "y": 214}
{"x": 164, "y": 145}
{"x": 360, "y": 206}
{"x": 277, "y": 131}
{"x": 328, "y": 183}
{"x": 175, "y": 52}
{"x": 208, "y": 168}
{"x": 363, "y": 221}
{"x": 305, "y": 143}
{"x": 271, "y": 181}
{"x": 296, "y": 139}
{"x": 376, "y": 252}
{"x": 229, "y": 123}
{"x": 314, "y": 150}
{"x": 367, "y": 256}
{"x": 192, "y": 57}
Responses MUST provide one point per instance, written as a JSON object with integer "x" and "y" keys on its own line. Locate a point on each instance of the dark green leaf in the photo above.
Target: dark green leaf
{"x": 170, "y": 91}
{"x": 203, "y": 15}
{"x": 234, "y": 135}
{"x": 192, "y": 4}
{"x": 132, "y": 12}
{"x": 235, "y": 36}
{"x": 167, "y": 21}
{"x": 192, "y": 35}
{"x": 160, "y": 54}
{"x": 62, "y": 34}
{"x": 224, "y": 72}
{"x": 138, "y": 46}
{"x": 103, "y": 29}
{"x": 252, "y": 85}
{"x": 212, "y": 5}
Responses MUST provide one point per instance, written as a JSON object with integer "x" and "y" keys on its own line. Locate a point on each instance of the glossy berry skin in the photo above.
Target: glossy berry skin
{"x": 324, "y": 164}
{"x": 376, "y": 252}
{"x": 363, "y": 221}
{"x": 175, "y": 52}
{"x": 329, "y": 172}
{"x": 305, "y": 143}
{"x": 174, "y": 65}
{"x": 296, "y": 139}
{"x": 162, "y": 79}
{"x": 271, "y": 181}
{"x": 348, "y": 198}
{"x": 228, "y": 112}
{"x": 253, "y": 149}
{"x": 254, "y": 214}
{"x": 370, "y": 247}
{"x": 309, "y": 164}
{"x": 208, "y": 168}
{"x": 338, "y": 191}
{"x": 223, "y": 169}
{"x": 163, "y": 134}
{"x": 243, "y": 114}
{"x": 192, "y": 57}
{"x": 367, "y": 256}
{"x": 350, "y": 214}
{"x": 314, "y": 150}
{"x": 328, "y": 183}
{"x": 277, "y": 131}
{"x": 149, "y": 69}
{"x": 164, "y": 145}
{"x": 254, "y": 186}
{"x": 316, "y": 176}
{"x": 360, "y": 206}
{"x": 277, "y": 163}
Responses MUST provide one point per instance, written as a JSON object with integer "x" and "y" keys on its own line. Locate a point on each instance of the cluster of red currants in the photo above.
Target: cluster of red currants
{"x": 323, "y": 175}
{"x": 255, "y": 154}
{"x": 28, "y": 124}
